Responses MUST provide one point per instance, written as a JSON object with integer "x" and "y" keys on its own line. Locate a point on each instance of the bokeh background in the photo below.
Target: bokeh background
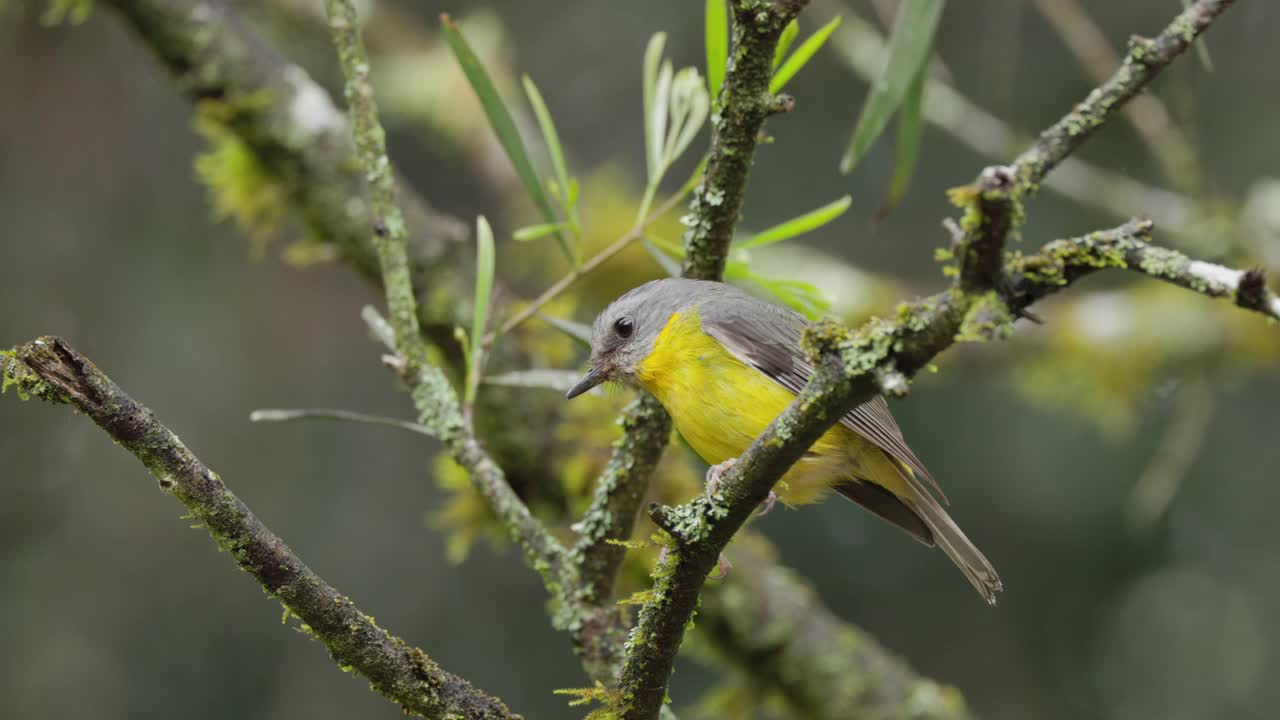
{"x": 1117, "y": 464}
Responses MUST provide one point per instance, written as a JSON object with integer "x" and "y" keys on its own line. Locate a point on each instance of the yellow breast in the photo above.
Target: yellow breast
{"x": 719, "y": 405}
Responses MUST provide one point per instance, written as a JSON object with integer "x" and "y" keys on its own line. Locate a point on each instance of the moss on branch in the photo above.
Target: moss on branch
{"x": 744, "y": 104}
{"x": 52, "y": 370}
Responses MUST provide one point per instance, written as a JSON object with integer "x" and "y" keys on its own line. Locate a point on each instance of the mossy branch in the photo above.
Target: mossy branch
{"x": 435, "y": 398}
{"x": 994, "y": 202}
{"x": 51, "y": 369}
{"x": 850, "y": 366}
{"x": 288, "y": 122}
{"x": 745, "y": 103}
{"x": 768, "y": 620}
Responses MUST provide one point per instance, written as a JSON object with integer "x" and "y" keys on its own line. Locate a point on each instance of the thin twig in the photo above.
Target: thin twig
{"x": 54, "y": 371}
{"x": 1062, "y": 262}
{"x": 863, "y": 48}
{"x": 1148, "y": 115}
{"x": 287, "y": 415}
{"x": 434, "y": 397}
{"x": 1144, "y": 60}
{"x": 735, "y": 131}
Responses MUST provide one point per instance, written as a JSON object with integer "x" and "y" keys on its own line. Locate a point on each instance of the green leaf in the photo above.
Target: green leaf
{"x": 658, "y": 123}
{"x": 558, "y": 380}
{"x": 717, "y": 43}
{"x": 909, "y": 48}
{"x": 504, "y": 127}
{"x": 554, "y": 149}
{"x": 910, "y": 130}
{"x": 803, "y": 55}
{"x": 533, "y": 232}
{"x": 575, "y": 330}
{"x": 652, "y": 140}
{"x": 802, "y": 297}
{"x": 807, "y": 222}
{"x": 671, "y": 267}
{"x": 784, "y": 42}
{"x": 484, "y": 292}
{"x": 689, "y": 108}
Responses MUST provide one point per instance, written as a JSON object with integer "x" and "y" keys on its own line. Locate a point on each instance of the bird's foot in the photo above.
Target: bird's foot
{"x": 766, "y": 507}
{"x": 714, "y": 473}
{"x": 723, "y": 566}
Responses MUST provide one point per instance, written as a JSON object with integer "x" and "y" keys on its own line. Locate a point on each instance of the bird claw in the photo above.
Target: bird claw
{"x": 723, "y": 566}
{"x": 714, "y": 473}
{"x": 766, "y": 507}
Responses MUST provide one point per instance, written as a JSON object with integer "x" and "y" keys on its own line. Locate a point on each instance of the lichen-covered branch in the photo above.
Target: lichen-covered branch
{"x": 435, "y": 398}
{"x": 299, "y": 137}
{"x": 645, "y": 429}
{"x": 386, "y": 221}
{"x": 51, "y": 369}
{"x": 745, "y": 102}
{"x": 850, "y": 366}
{"x": 1143, "y": 61}
{"x": 766, "y": 620}
{"x": 1147, "y": 114}
{"x": 1062, "y": 262}
{"x": 994, "y": 202}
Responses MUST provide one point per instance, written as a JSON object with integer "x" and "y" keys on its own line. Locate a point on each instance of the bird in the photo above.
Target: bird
{"x": 724, "y": 364}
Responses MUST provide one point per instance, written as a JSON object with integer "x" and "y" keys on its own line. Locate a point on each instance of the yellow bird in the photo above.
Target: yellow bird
{"x": 725, "y": 364}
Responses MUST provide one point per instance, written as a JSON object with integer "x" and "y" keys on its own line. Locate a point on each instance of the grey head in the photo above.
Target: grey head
{"x": 623, "y": 335}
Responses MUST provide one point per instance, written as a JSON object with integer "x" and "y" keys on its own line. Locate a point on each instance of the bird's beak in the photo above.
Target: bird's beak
{"x": 594, "y": 377}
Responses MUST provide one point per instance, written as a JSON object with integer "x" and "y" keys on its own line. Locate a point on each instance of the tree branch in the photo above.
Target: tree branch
{"x": 289, "y": 123}
{"x": 301, "y": 139}
{"x": 52, "y": 370}
{"x": 1062, "y": 262}
{"x": 1144, "y": 60}
{"x": 767, "y": 620}
{"x": 847, "y": 365}
{"x": 745, "y": 102}
{"x": 435, "y": 398}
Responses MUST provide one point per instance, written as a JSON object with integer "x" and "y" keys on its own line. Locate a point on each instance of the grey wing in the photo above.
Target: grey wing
{"x": 768, "y": 338}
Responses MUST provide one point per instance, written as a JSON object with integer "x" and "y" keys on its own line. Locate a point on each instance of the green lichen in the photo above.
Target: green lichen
{"x": 1163, "y": 263}
{"x": 988, "y": 318}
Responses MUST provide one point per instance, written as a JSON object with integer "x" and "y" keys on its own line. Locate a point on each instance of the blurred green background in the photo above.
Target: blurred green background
{"x": 113, "y": 608}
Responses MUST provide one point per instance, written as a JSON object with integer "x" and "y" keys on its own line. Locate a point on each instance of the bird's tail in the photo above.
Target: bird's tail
{"x": 952, "y": 540}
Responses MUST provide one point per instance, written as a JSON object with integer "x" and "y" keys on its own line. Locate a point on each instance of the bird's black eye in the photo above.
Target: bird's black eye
{"x": 624, "y": 326}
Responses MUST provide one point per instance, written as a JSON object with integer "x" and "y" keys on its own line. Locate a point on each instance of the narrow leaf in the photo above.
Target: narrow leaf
{"x": 717, "y": 43}
{"x": 807, "y": 222}
{"x": 784, "y": 42}
{"x": 554, "y": 149}
{"x": 575, "y": 330}
{"x": 658, "y": 123}
{"x": 909, "y": 48}
{"x": 668, "y": 265}
{"x": 558, "y": 380}
{"x": 694, "y": 104}
{"x": 504, "y": 127}
{"x": 803, "y": 55}
{"x": 484, "y": 292}
{"x": 802, "y": 297}
{"x": 652, "y": 141}
{"x": 533, "y": 232}
{"x": 910, "y": 130}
